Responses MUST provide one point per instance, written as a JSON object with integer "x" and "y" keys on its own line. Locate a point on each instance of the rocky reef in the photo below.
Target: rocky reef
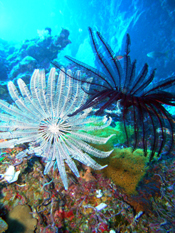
{"x": 20, "y": 61}
{"x": 127, "y": 196}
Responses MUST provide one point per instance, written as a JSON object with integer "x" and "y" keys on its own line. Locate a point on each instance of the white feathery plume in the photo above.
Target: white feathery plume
{"x": 39, "y": 117}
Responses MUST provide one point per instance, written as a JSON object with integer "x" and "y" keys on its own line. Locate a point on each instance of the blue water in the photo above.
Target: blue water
{"x": 24, "y": 46}
{"x": 149, "y": 23}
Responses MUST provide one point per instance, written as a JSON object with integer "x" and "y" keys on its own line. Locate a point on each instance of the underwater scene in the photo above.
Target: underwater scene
{"x": 87, "y": 116}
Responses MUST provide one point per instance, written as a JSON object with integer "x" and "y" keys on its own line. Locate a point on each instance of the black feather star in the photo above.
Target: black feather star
{"x": 140, "y": 101}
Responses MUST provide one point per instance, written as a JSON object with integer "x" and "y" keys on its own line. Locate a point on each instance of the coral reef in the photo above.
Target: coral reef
{"x": 126, "y": 196}
{"x": 126, "y": 168}
{"x": 117, "y": 130}
{"x": 75, "y": 210}
{"x": 20, "y": 61}
{"x": 24, "y": 68}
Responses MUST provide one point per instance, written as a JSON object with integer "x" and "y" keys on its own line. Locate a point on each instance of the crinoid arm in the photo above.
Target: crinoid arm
{"x": 39, "y": 117}
{"x": 142, "y": 104}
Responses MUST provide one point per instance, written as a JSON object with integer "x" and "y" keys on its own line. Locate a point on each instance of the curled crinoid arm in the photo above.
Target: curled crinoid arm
{"x": 141, "y": 103}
